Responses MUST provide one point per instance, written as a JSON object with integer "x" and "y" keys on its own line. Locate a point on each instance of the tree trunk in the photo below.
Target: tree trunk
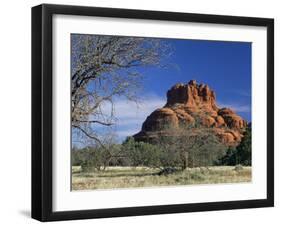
{"x": 184, "y": 160}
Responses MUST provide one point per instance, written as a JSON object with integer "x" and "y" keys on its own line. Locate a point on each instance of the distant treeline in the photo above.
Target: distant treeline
{"x": 181, "y": 151}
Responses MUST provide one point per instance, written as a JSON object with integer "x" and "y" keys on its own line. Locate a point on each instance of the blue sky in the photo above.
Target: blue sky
{"x": 224, "y": 66}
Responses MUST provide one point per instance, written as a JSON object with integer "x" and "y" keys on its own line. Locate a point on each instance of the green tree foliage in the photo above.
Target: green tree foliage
{"x": 242, "y": 154}
{"x": 141, "y": 153}
{"x": 98, "y": 158}
{"x": 244, "y": 149}
{"x": 230, "y": 157}
{"x": 88, "y": 158}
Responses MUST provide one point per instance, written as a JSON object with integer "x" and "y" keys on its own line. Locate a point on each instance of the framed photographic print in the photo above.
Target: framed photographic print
{"x": 147, "y": 112}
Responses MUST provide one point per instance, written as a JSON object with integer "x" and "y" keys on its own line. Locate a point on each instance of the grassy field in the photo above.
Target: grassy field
{"x": 128, "y": 177}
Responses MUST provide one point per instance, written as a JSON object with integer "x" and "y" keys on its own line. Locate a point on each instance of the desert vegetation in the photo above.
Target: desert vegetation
{"x": 180, "y": 160}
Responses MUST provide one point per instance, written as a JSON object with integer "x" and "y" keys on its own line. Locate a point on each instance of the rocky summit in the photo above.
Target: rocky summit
{"x": 192, "y": 103}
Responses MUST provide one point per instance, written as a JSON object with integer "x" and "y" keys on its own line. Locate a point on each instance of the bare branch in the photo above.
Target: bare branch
{"x": 105, "y": 67}
{"x": 88, "y": 135}
{"x": 95, "y": 121}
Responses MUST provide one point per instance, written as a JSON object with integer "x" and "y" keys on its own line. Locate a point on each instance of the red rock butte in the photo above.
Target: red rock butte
{"x": 190, "y": 103}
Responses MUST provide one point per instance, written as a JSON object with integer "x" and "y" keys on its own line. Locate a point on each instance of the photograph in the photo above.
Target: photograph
{"x": 152, "y": 112}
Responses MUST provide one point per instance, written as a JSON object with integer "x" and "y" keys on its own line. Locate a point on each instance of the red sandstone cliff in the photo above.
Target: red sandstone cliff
{"x": 192, "y": 103}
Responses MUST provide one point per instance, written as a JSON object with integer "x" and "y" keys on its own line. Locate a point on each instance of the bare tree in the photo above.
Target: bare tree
{"x": 189, "y": 146}
{"x": 103, "y": 68}
{"x": 199, "y": 147}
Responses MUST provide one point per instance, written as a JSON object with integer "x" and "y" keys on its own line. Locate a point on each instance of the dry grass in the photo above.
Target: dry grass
{"x": 128, "y": 177}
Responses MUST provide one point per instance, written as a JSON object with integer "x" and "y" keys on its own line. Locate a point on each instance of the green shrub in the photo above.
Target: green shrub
{"x": 242, "y": 154}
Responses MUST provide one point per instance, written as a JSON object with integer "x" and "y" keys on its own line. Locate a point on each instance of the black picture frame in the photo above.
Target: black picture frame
{"x": 42, "y": 112}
